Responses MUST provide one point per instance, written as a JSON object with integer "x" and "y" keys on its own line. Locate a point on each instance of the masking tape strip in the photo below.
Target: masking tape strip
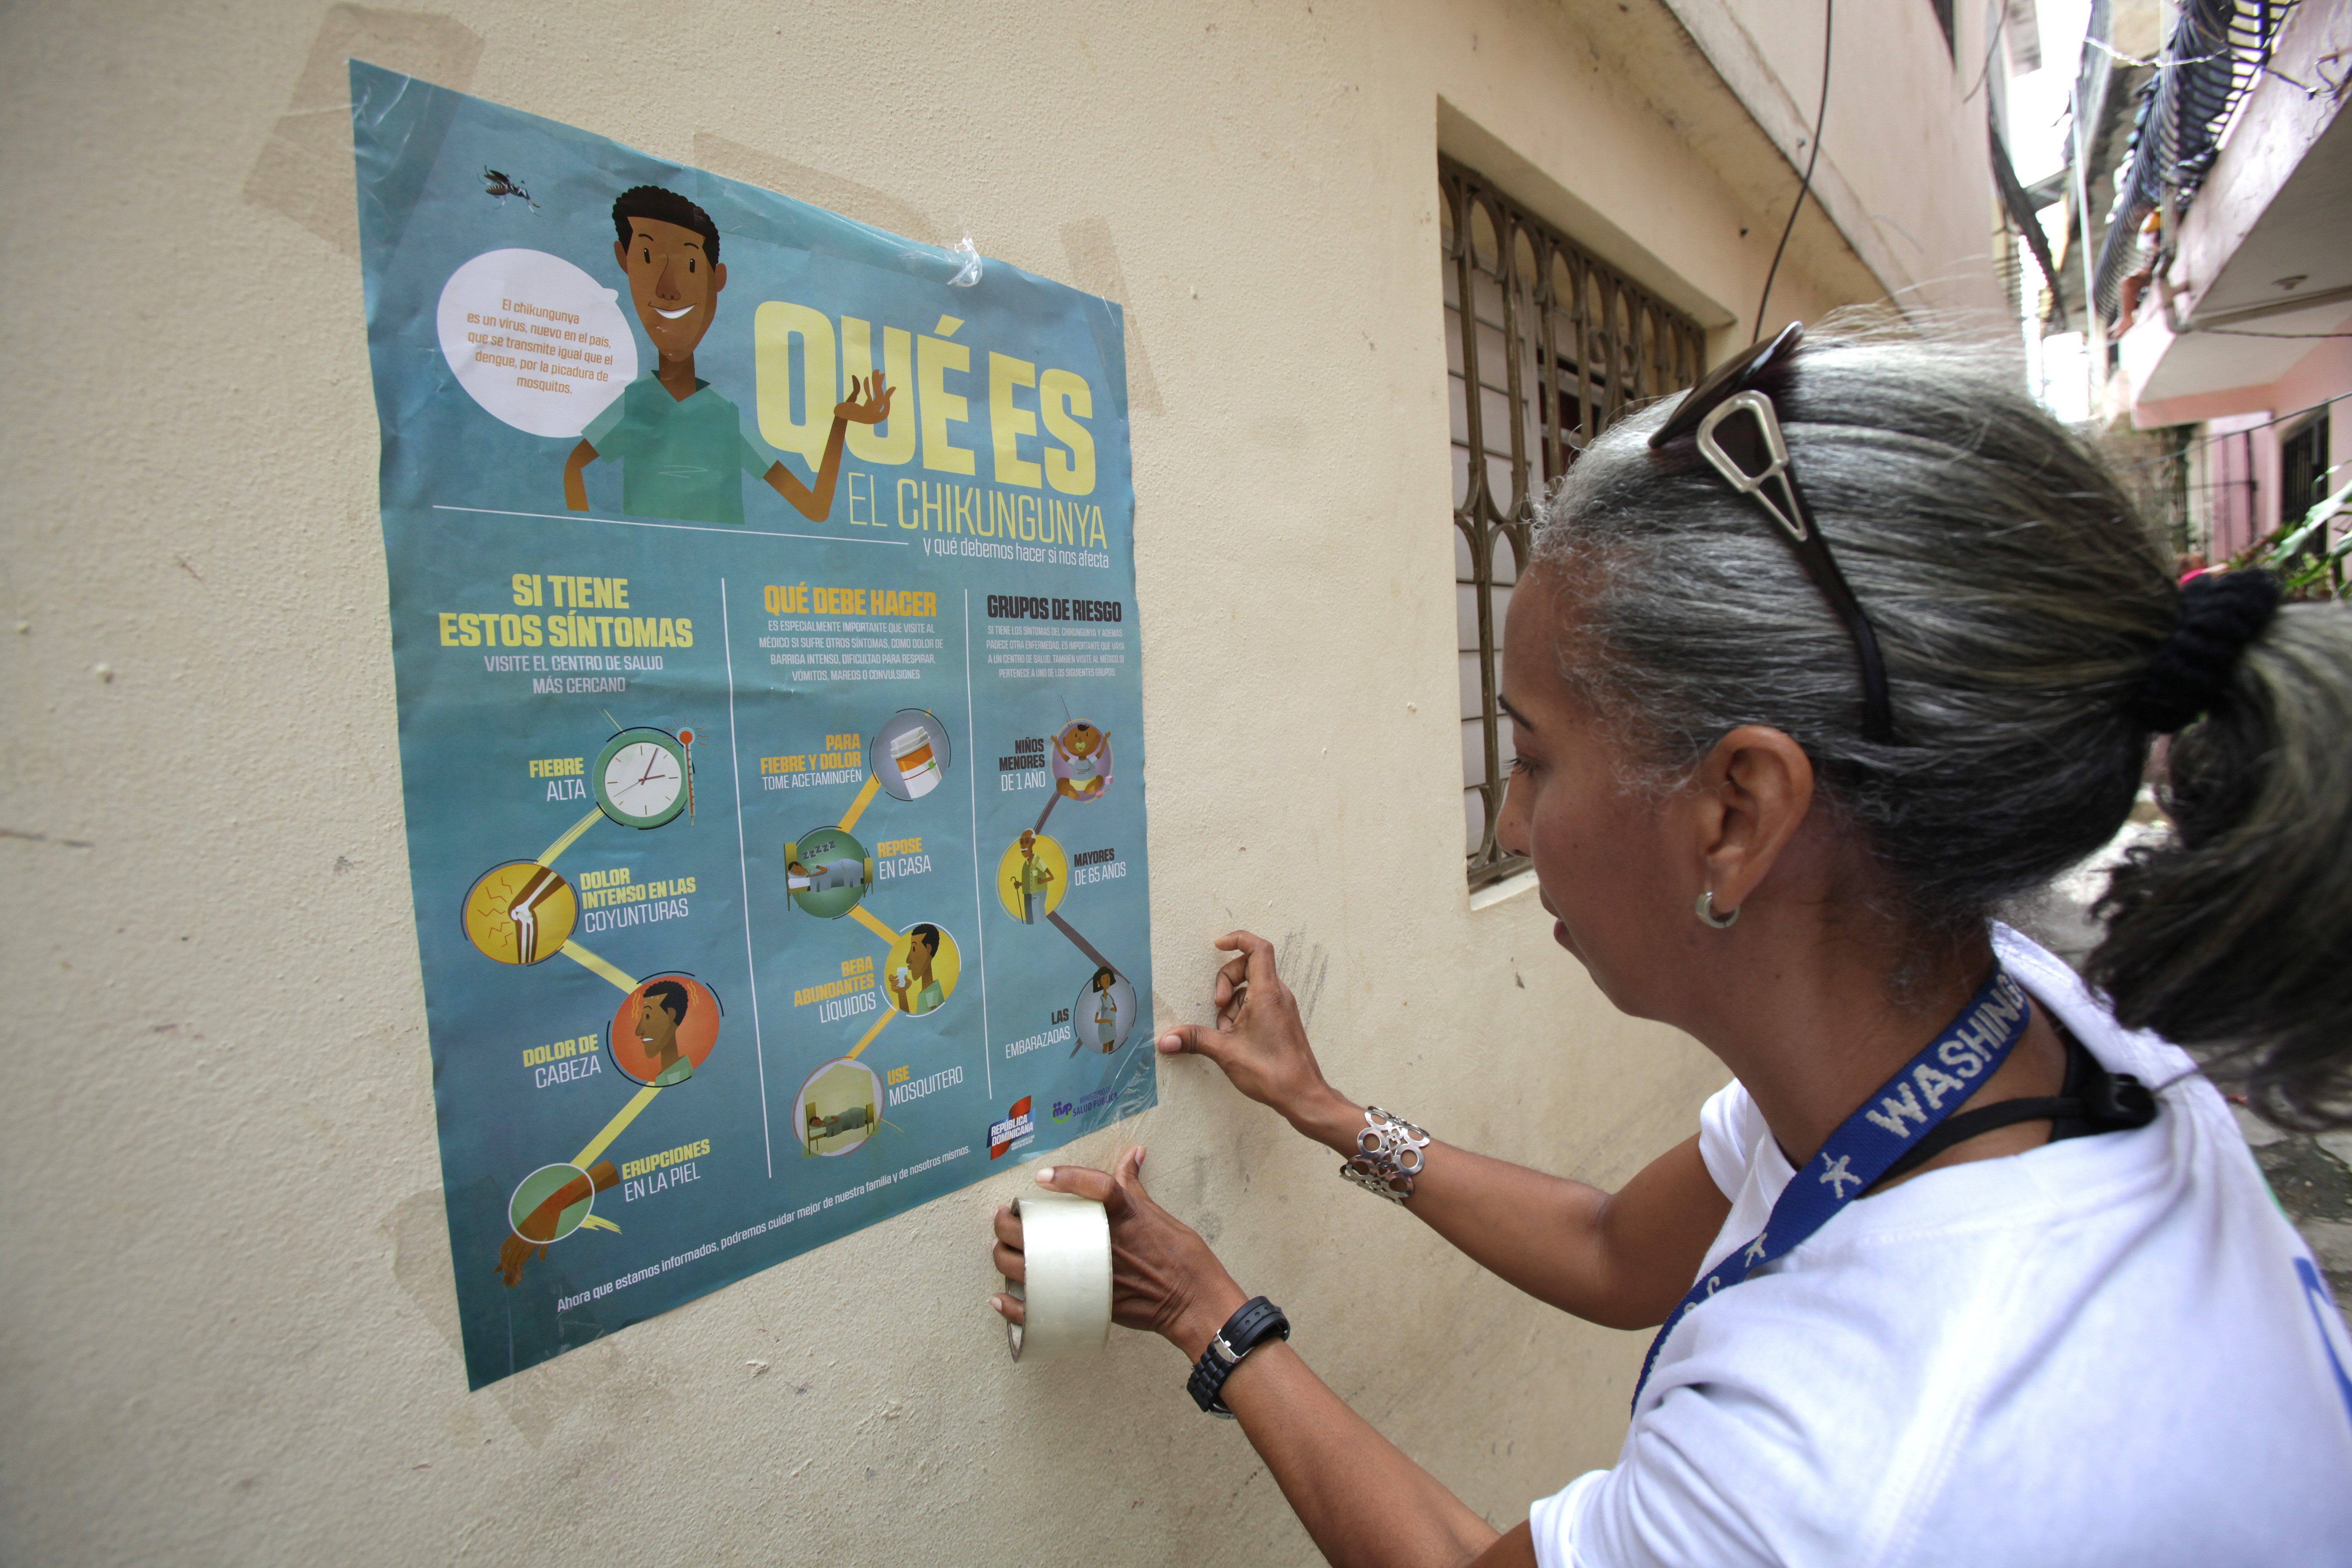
{"x": 1065, "y": 1242}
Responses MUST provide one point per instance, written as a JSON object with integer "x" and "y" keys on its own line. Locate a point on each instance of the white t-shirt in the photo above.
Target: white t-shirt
{"x": 2112, "y": 1349}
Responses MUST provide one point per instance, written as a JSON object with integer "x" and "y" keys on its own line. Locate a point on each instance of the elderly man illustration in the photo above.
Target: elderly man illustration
{"x": 680, "y": 444}
{"x": 1030, "y": 880}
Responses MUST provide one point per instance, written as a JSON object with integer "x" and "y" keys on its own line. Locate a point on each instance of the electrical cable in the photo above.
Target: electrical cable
{"x": 2242, "y": 333}
{"x": 2215, "y": 52}
{"x": 2229, "y": 435}
{"x": 1984, "y": 72}
{"x": 1829, "y": 12}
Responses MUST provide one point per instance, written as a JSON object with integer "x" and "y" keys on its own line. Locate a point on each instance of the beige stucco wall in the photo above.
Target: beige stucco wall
{"x": 226, "y": 1326}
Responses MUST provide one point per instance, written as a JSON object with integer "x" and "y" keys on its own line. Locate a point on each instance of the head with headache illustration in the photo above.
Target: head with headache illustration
{"x": 660, "y": 1010}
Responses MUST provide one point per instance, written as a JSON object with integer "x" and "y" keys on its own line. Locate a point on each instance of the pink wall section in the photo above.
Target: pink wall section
{"x": 2232, "y": 452}
{"x": 2325, "y": 372}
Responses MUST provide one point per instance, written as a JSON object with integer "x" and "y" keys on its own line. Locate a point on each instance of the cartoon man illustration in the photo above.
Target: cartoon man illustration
{"x": 913, "y": 988}
{"x": 1083, "y": 754}
{"x": 1106, "y": 1010}
{"x": 1031, "y": 880}
{"x": 660, "y": 1010}
{"x": 681, "y": 446}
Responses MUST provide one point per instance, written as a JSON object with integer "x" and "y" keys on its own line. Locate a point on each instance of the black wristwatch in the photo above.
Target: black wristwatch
{"x": 1256, "y": 1321}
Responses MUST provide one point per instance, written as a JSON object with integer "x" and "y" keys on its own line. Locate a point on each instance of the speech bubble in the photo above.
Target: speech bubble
{"x": 535, "y": 340}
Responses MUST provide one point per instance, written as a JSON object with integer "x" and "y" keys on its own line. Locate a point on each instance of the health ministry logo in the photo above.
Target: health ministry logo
{"x": 1065, "y": 1109}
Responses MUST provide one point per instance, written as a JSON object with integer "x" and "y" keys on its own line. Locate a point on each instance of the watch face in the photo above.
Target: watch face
{"x": 641, "y": 778}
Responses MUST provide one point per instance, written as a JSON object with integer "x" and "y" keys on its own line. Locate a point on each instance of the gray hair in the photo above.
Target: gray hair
{"x": 2018, "y": 599}
{"x": 2235, "y": 936}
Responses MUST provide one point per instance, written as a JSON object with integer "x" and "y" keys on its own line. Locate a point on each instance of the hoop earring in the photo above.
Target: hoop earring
{"x": 1707, "y": 913}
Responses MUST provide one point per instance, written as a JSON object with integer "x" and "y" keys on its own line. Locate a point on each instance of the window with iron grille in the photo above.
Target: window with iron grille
{"x": 1557, "y": 345}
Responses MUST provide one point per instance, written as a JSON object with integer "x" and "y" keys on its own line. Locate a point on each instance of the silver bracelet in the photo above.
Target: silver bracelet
{"x": 1387, "y": 1155}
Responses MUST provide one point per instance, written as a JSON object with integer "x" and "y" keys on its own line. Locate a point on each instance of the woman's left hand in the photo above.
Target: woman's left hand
{"x": 1163, "y": 1277}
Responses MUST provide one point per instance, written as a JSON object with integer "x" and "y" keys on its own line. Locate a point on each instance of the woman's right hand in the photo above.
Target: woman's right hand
{"x": 1260, "y": 1041}
{"x": 1163, "y": 1277}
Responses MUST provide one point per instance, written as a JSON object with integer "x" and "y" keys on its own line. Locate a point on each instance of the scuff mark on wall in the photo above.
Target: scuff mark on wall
{"x": 1303, "y": 966}
{"x": 43, "y": 839}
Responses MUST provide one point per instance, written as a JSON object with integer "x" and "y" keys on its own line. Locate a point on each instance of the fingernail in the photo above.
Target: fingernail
{"x": 1044, "y": 1174}
{"x": 1171, "y": 1042}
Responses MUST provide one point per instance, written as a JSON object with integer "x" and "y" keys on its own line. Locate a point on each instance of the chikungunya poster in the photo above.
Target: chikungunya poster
{"x": 763, "y": 620}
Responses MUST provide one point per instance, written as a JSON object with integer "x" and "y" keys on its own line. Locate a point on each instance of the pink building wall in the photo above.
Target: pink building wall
{"x": 2239, "y": 439}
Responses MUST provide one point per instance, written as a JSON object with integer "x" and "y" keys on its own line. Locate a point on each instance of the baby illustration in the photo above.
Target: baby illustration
{"x": 1081, "y": 761}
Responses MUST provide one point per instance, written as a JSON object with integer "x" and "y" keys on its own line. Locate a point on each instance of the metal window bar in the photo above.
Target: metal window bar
{"x": 2217, "y": 51}
{"x": 1557, "y": 345}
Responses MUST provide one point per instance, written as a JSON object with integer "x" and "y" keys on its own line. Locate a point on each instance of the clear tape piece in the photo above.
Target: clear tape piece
{"x": 968, "y": 274}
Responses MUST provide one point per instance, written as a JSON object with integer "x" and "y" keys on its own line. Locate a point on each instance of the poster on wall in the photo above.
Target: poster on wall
{"x": 764, "y": 634}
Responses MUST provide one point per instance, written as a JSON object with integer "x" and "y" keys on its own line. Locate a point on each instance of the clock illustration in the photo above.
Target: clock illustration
{"x": 642, "y": 777}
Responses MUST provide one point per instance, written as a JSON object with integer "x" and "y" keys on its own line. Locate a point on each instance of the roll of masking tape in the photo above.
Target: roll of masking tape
{"x": 1065, "y": 1242}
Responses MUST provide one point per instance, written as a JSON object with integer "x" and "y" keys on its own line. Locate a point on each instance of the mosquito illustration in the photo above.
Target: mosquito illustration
{"x": 504, "y": 186}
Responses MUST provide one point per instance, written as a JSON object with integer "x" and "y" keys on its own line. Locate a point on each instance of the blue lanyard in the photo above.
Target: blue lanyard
{"x": 1929, "y": 1088}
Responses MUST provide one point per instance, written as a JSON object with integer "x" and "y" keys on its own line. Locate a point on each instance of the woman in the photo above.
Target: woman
{"x": 1106, "y": 1010}
{"x": 1815, "y": 668}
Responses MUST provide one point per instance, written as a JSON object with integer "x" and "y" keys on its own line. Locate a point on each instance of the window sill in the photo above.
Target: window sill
{"x": 1510, "y": 887}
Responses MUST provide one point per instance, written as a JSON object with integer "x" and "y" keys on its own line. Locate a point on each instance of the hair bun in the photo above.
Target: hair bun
{"x": 2220, "y": 612}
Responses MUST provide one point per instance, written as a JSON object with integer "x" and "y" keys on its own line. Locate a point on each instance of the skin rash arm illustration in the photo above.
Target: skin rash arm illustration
{"x": 529, "y": 1238}
{"x": 669, "y": 249}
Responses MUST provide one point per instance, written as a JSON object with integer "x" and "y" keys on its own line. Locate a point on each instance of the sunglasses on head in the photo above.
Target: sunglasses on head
{"x": 1738, "y": 433}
